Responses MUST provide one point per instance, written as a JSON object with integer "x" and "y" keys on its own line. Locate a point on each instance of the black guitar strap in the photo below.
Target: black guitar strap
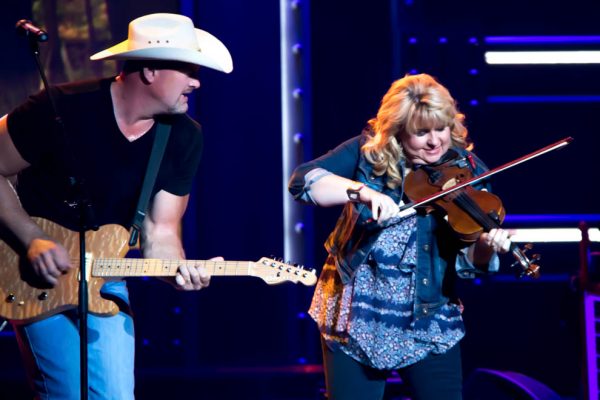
{"x": 158, "y": 150}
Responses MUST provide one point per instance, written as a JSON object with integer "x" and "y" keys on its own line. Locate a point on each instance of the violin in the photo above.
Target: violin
{"x": 470, "y": 211}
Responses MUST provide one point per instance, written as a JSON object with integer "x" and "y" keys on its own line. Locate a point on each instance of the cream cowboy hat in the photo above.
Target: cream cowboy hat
{"x": 169, "y": 37}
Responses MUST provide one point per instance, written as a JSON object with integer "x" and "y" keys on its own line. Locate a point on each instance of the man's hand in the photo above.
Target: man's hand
{"x": 49, "y": 260}
{"x": 193, "y": 278}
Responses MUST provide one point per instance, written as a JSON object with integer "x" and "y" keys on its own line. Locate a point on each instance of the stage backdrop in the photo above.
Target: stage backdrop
{"x": 358, "y": 49}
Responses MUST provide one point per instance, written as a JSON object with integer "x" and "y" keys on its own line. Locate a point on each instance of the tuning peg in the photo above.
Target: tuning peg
{"x": 535, "y": 272}
{"x": 532, "y": 272}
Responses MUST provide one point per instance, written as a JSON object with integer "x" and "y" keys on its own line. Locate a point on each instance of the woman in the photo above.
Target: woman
{"x": 385, "y": 297}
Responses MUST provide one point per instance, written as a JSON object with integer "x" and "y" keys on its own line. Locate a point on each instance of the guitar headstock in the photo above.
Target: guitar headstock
{"x": 274, "y": 272}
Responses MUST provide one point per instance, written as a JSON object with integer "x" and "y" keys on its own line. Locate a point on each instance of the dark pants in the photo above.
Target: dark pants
{"x": 437, "y": 377}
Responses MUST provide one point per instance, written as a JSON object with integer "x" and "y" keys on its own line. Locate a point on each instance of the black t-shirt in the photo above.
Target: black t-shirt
{"x": 111, "y": 167}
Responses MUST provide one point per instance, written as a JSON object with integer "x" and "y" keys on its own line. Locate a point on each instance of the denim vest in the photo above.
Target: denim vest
{"x": 439, "y": 253}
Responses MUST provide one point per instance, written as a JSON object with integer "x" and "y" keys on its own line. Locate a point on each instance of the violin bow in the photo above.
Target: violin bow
{"x": 554, "y": 146}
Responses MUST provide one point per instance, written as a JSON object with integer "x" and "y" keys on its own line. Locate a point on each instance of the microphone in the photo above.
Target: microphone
{"x": 27, "y": 28}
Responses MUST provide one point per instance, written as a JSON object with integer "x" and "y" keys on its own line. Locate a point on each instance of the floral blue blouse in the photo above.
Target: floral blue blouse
{"x": 371, "y": 318}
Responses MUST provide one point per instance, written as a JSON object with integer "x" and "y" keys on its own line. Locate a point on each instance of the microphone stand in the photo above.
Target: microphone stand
{"x": 81, "y": 202}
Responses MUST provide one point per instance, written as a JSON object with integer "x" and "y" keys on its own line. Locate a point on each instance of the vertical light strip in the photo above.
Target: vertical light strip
{"x": 296, "y": 142}
{"x": 291, "y": 247}
{"x": 591, "y": 351}
{"x": 295, "y": 123}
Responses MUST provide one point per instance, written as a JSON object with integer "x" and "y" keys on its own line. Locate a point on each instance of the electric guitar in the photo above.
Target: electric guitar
{"x": 23, "y": 297}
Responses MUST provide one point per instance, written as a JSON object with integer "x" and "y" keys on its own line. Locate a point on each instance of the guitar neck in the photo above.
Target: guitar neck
{"x": 124, "y": 267}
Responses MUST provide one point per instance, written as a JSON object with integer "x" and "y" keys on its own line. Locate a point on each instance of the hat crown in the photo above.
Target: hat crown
{"x": 171, "y": 37}
{"x": 162, "y": 30}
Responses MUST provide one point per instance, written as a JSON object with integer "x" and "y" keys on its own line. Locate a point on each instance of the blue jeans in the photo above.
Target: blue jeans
{"x": 50, "y": 350}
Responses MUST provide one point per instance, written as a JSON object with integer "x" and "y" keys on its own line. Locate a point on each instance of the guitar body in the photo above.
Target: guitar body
{"x": 23, "y": 299}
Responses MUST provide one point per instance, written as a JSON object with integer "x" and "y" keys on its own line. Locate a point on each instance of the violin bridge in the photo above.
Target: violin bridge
{"x": 494, "y": 215}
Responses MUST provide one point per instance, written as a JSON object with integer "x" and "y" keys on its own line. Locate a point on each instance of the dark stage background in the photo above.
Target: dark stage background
{"x": 243, "y": 339}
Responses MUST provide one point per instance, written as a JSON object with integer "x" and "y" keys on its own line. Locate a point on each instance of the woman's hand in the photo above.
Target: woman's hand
{"x": 496, "y": 239}
{"x": 382, "y": 206}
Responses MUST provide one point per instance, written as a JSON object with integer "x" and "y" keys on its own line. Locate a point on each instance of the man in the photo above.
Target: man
{"x": 109, "y": 128}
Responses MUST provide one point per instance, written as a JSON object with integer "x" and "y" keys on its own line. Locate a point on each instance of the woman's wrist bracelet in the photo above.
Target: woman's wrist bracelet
{"x": 354, "y": 193}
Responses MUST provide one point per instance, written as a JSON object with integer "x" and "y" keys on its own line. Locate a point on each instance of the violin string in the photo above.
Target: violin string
{"x": 473, "y": 209}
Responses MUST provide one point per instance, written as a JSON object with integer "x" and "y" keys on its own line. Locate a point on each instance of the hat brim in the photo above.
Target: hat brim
{"x": 212, "y": 53}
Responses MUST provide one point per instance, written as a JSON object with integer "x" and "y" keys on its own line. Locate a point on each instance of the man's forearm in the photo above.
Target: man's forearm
{"x": 162, "y": 245}
{"x": 14, "y": 218}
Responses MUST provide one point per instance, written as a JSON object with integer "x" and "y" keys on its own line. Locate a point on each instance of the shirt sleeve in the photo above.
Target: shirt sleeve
{"x": 33, "y": 128}
{"x": 467, "y": 270}
{"x": 341, "y": 161}
{"x": 311, "y": 177}
{"x": 184, "y": 154}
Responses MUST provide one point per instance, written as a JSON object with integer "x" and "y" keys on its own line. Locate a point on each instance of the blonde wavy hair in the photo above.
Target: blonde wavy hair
{"x": 411, "y": 103}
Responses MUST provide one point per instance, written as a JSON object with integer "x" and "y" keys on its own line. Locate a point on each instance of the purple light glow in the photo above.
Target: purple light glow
{"x": 545, "y": 99}
{"x": 551, "y": 277}
{"x": 549, "y": 218}
{"x": 590, "y": 335}
{"x": 542, "y": 39}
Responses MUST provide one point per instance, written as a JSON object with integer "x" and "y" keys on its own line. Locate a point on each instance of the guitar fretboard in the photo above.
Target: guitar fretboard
{"x": 122, "y": 267}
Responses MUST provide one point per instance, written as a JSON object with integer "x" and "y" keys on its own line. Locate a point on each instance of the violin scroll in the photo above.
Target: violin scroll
{"x": 526, "y": 265}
